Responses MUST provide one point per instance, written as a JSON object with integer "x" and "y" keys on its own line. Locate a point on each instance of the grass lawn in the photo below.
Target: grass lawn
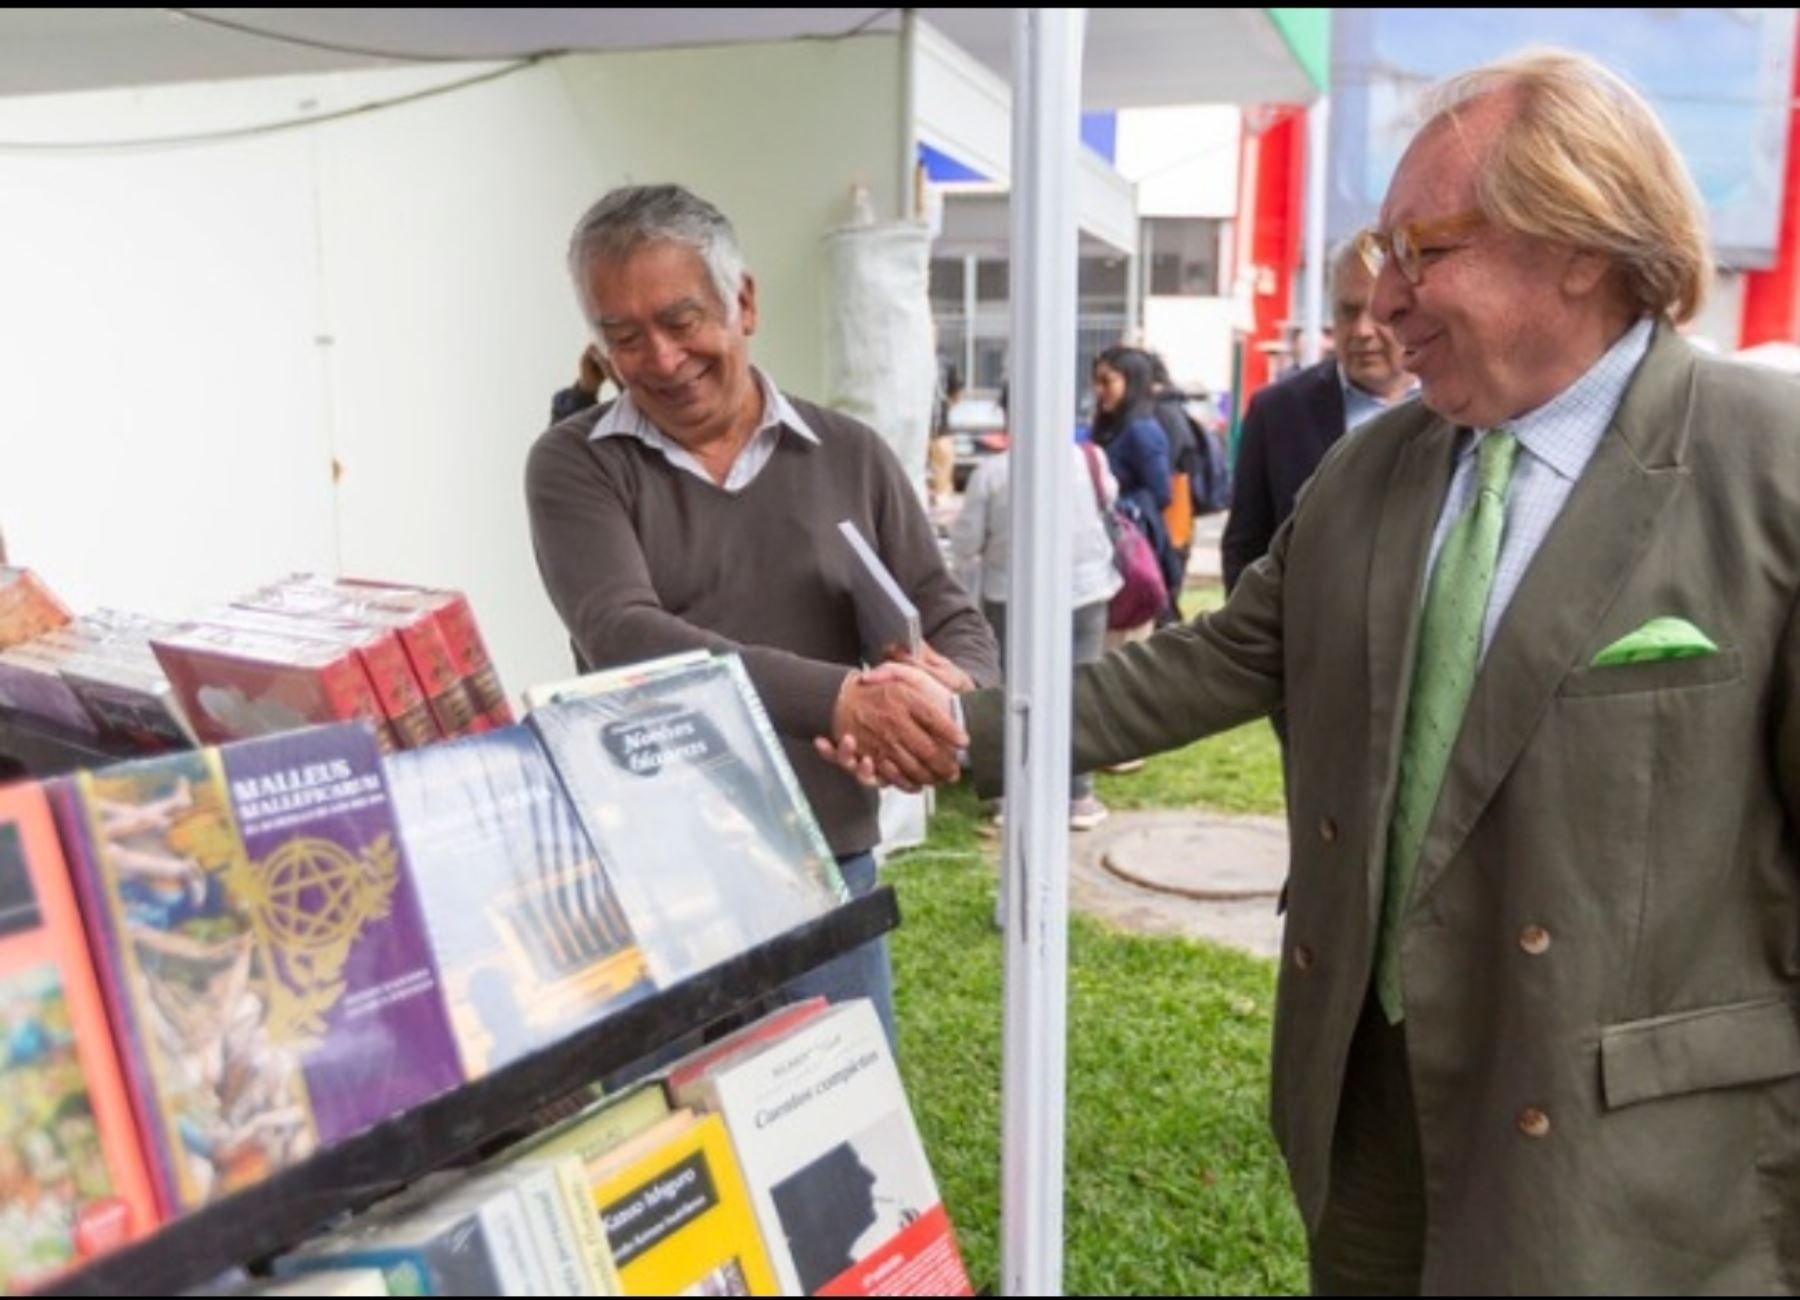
{"x": 1173, "y": 1183}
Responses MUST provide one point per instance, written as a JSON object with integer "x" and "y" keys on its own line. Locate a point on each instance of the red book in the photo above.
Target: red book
{"x": 456, "y": 620}
{"x": 379, "y": 649}
{"x": 423, "y": 640}
{"x": 235, "y": 684}
{"x": 72, "y": 1175}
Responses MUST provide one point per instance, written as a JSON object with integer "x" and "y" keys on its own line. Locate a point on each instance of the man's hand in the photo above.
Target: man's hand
{"x": 895, "y": 725}
{"x": 946, "y": 673}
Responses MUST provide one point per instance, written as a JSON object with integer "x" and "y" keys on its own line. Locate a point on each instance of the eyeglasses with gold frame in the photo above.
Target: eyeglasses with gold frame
{"x": 1409, "y": 243}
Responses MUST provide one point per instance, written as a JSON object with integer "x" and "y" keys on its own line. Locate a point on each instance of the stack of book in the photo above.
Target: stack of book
{"x": 302, "y": 651}
{"x": 782, "y": 1160}
{"x": 212, "y": 959}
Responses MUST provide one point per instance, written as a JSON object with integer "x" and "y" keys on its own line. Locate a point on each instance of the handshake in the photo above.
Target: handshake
{"x": 896, "y": 724}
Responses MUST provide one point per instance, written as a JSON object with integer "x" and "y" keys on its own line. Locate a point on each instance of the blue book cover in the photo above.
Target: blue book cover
{"x": 530, "y": 938}
{"x": 687, "y": 793}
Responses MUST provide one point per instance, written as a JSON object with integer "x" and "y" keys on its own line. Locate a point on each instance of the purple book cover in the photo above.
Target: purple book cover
{"x": 351, "y": 971}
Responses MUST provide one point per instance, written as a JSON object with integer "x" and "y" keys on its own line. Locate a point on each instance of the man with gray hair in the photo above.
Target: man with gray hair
{"x": 700, "y": 511}
{"x": 1537, "y": 1027}
{"x": 1290, "y": 425}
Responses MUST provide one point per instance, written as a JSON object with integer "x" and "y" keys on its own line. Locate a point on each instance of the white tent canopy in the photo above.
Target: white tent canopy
{"x": 1132, "y": 57}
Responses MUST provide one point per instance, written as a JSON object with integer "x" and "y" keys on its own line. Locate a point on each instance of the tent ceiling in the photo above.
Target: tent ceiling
{"x": 1135, "y": 57}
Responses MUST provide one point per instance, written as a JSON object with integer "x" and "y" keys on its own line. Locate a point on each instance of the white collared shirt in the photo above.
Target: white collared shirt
{"x": 1556, "y": 442}
{"x": 624, "y": 419}
{"x": 1361, "y": 406}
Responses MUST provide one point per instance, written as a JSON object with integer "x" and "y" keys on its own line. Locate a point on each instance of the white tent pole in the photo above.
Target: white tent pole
{"x": 1047, "y": 47}
{"x": 1318, "y": 140}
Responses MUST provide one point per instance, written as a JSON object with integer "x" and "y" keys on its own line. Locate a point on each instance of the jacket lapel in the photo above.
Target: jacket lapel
{"x": 1604, "y": 528}
{"x": 1409, "y": 510}
{"x": 1327, "y": 403}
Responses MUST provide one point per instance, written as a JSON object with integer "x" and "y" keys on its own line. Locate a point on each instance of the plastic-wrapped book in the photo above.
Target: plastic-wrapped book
{"x": 686, "y": 791}
{"x": 530, "y": 940}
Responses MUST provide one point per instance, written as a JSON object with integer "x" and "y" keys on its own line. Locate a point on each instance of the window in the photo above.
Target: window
{"x": 1183, "y": 255}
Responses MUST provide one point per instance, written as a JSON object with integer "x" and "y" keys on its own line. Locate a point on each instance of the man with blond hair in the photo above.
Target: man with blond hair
{"x": 1538, "y": 1021}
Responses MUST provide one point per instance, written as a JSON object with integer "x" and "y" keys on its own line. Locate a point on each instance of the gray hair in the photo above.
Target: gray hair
{"x": 1346, "y": 256}
{"x": 632, "y": 216}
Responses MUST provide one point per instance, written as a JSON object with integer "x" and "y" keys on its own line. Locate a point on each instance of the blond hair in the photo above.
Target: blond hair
{"x": 1582, "y": 160}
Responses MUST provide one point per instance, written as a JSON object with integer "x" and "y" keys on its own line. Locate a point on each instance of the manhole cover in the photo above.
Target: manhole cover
{"x": 1215, "y": 860}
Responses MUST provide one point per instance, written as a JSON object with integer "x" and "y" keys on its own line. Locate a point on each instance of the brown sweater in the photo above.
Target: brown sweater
{"x": 642, "y": 559}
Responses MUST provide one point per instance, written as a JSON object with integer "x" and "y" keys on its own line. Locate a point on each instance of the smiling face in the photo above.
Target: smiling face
{"x": 681, "y": 355}
{"x": 1499, "y": 322}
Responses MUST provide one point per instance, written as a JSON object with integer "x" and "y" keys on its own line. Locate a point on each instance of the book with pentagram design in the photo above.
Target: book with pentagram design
{"x": 261, "y": 944}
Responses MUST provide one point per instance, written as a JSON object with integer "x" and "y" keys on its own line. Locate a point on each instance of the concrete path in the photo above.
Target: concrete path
{"x": 1199, "y": 874}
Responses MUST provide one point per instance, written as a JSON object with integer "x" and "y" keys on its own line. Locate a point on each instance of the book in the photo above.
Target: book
{"x": 886, "y": 618}
{"x": 28, "y": 608}
{"x": 115, "y": 676}
{"x": 31, "y": 682}
{"x": 389, "y": 671}
{"x": 530, "y": 940}
{"x": 427, "y": 652}
{"x": 235, "y": 684}
{"x": 328, "y": 1282}
{"x": 678, "y": 1218}
{"x": 600, "y": 1128}
{"x": 73, "y": 1182}
{"x": 262, "y": 952}
{"x": 461, "y": 634}
{"x": 606, "y": 679}
{"x": 565, "y": 1227}
{"x": 471, "y": 1240}
{"x": 690, "y": 1069}
{"x": 836, "y": 1171}
{"x": 687, "y": 794}
{"x": 128, "y": 696}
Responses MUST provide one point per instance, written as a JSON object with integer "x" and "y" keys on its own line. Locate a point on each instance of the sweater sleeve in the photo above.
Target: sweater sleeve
{"x": 594, "y": 570}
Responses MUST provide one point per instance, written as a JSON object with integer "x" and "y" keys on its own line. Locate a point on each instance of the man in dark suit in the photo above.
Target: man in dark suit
{"x": 1537, "y": 1025}
{"x": 1290, "y": 425}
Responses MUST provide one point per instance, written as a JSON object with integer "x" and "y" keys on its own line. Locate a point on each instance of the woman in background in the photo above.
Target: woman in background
{"x": 1126, "y": 429}
{"x": 980, "y": 542}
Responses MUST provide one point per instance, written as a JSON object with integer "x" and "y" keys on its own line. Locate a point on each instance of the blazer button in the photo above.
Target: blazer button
{"x": 1533, "y": 1123}
{"x": 1303, "y": 957}
{"x": 1534, "y": 939}
{"x": 1328, "y": 830}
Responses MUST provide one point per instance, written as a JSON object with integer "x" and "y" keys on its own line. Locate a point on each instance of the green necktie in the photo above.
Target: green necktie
{"x": 1443, "y": 675}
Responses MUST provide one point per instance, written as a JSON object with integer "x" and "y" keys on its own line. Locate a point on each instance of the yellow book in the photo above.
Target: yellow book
{"x": 679, "y": 1220}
